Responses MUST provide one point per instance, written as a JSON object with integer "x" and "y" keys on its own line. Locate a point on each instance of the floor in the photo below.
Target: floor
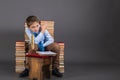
{"x": 72, "y": 72}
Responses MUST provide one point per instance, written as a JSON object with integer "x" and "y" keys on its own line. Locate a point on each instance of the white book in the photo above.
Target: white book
{"x": 49, "y": 53}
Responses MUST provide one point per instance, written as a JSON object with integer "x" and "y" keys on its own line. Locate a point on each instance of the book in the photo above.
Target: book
{"x": 20, "y": 55}
{"x": 48, "y": 53}
{"x": 20, "y": 44}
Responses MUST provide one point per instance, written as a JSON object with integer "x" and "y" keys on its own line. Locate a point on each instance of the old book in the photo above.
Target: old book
{"x": 61, "y": 54}
{"x": 50, "y": 24}
{"x": 62, "y": 48}
{"x": 20, "y": 58}
{"x": 61, "y": 66}
{"x": 20, "y": 55}
{"x": 20, "y": 66}
{"x": 61, "y": 61}
{"x": 20, "y": 61}
{"x": 51, "y": 31}
{"x": 61, "y": 57}
{"x": 20, "y": 51}
{"x": 20, "y": 43}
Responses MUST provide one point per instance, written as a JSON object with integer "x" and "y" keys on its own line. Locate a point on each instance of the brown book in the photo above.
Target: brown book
{"x": 19, "y": 47}
{"x": 19, "y": 66}
{"x": 50, "y": 24}
{"x": 61, "y": 61}
{"x": 20, "y": 55}
{"x": 20, "y": 58}
{"x": 51, "y": 31}
{"x": 61, "y": 66}
{"x": 61, "y": 47}
{"x": 20, "y": 44}
{"x": 61, "y": 57}
{"x": 20, "y": 61}
{"x": 20, "y": 51}
{"x": 61, "y": 54}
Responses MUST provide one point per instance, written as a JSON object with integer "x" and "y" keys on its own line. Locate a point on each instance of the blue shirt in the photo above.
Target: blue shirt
{"x": 45, "y": 38}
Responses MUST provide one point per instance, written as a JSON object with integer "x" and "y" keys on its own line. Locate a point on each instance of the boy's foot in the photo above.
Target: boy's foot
{"x": 25, "y": 73}
{"x": 56, "y": 72}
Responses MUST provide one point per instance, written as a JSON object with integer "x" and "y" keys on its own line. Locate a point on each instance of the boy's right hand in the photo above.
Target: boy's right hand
{"x": 43, "y": 27}
{"x": 25, "y": 25}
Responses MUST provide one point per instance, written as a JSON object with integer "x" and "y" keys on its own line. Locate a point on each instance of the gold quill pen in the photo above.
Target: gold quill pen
{"x": 32, "y": 45}
{"x": 32, "y": 42}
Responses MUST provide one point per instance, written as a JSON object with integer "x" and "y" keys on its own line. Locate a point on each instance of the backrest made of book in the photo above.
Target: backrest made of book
{"x": 50, "y": 28}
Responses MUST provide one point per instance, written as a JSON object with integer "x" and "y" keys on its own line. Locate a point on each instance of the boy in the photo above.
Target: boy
{"x": 43, "y": 41}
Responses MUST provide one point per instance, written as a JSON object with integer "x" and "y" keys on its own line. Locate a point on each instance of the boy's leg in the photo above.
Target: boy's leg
{"x": 54, "y": 47}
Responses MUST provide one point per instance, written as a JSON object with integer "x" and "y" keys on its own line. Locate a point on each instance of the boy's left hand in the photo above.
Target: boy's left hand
{"x": 43, "y": 27}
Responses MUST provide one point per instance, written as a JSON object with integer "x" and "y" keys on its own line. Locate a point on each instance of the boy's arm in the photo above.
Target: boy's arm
{"x": 49, "y": 39}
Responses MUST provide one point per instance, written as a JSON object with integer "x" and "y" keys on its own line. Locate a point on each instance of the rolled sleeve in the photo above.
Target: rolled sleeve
{"x": 49, "y": 39}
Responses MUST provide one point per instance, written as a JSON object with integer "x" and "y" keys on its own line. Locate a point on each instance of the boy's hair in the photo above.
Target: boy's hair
{"x": 31, "y": 19}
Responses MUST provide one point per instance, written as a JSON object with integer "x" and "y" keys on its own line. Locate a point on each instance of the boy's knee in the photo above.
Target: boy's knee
{"x": 53, "y": 46}
{"x": 56, "y": 46}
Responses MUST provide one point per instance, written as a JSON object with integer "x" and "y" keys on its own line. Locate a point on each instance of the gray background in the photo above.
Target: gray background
{"x": 89, "y": 28}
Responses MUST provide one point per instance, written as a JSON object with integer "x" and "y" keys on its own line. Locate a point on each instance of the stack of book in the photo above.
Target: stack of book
{"x": 50, "y": 26}
{"x": 20, "y": 56}
{"x": 61, "y": 57}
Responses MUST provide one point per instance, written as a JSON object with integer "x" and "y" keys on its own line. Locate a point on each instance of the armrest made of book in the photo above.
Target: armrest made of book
{"x": 62, "y": 45}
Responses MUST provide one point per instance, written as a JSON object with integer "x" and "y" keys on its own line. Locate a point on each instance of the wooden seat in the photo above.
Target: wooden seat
{"x": 40, "y": 66}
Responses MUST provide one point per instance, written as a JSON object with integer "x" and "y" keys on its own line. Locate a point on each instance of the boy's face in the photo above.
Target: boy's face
{"x": 34, "y": 27}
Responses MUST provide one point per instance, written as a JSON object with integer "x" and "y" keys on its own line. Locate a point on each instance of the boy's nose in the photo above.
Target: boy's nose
{"x": 35, "y": 30}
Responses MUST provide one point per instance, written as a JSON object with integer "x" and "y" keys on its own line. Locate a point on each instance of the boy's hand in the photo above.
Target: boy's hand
{"x": 43, "y": 28}
{"x": 25, "y": 25}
